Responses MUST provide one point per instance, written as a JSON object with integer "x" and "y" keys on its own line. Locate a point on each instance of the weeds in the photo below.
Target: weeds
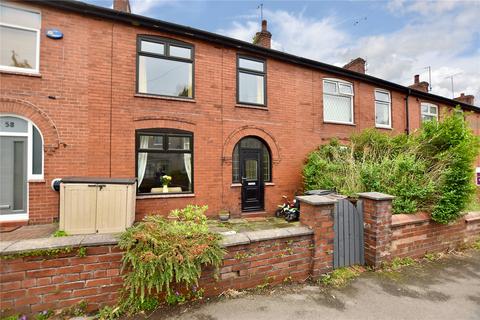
{"x": 340, "y": 277}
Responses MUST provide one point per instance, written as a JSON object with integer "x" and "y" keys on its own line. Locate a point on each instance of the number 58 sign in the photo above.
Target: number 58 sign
{"x": 477, "y": 176}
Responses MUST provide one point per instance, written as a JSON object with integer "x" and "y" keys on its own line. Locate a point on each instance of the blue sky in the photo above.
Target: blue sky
{"x": 398, "y": 38}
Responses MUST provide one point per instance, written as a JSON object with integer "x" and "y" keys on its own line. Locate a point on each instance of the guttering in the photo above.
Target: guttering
{"x": 142, "y": 21}
{"x": 407, "y": 113}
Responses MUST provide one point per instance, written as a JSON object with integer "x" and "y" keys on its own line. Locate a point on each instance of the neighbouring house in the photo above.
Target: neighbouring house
{"x": 96, "y": 92}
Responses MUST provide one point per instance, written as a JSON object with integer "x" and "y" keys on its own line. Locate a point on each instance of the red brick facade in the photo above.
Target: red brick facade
{"x": 84, "y": 103}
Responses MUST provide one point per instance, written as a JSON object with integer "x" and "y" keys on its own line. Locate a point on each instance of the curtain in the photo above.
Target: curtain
{"x": 142, "y": 159}
{"x": 187, "y": 160}
{"x": 190, "y": 80}
{"x": 142, "y": 75}
{"x": 260, "y": 87}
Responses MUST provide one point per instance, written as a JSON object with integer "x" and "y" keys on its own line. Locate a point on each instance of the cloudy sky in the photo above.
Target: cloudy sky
{"x": 398, "y": 38}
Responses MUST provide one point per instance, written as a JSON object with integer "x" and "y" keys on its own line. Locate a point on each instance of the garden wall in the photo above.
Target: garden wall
{"x": 51, "y": 282}
{"x": 414, "y": 235}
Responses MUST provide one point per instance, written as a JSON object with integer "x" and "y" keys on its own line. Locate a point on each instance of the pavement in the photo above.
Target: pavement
{"x": 448, "y": 288}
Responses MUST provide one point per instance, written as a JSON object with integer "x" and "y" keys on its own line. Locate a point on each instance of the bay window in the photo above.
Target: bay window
{"x": 337, "y": 101}
{"x": 165, "y": 67}
{"x": 164, "y": 152}
{"x": 19, "y": 38}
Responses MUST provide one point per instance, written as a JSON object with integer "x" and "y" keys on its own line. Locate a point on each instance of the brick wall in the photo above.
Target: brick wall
{"x": 33, "y": 284}
{"x": 416, "y": 235}
{"x": 85, "y": 105}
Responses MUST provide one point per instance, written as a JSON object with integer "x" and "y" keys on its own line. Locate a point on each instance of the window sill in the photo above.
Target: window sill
{"x": 19, "y": 73}
{"x": 247, "y": 106}
{"x": 236, "y": 185}
{"x": 141, "y": 95}
{"x": 384, "y": 128}
{"x": 173, "y": 195}
{"x": 36, "y": 181}
{"x": 341, "y": 123}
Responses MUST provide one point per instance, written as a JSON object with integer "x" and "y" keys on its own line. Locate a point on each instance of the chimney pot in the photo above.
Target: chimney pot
{"x": 264, "y": 25}
{"x": 462, "y": 94}
{"x": 468, "y": 99}
{"x": 416, "y": 78}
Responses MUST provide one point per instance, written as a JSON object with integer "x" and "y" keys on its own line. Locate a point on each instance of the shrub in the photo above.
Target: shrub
{"x": 431, "y": 170}
{"x": 162, "y": 254}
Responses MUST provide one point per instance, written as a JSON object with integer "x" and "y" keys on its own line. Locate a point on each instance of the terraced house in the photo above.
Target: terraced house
{"x": 88, "y": 91}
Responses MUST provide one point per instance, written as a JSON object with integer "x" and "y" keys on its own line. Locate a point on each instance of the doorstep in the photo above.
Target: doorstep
{"x": 251, "y": 215}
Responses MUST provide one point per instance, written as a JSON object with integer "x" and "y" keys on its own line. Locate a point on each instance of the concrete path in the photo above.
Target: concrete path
{"x": 445, "y": 289}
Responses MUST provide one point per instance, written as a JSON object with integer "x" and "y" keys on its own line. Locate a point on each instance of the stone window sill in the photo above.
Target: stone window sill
{"x": 18, "y": 73}
{"x": 163, "y": 196}
{"x": 247, "y": 106}
{"x": 151, "y": 96}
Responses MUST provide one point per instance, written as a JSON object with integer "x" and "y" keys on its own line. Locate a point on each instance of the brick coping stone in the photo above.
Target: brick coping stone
{"x": 229, "y": 240}
{"x": 404, "y": 219}
{"x": 376, "y": 196}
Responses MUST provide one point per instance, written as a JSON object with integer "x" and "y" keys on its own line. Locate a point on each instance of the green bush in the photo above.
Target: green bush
{"x": 431, "y": 170}
{"x": 163, "y": 254}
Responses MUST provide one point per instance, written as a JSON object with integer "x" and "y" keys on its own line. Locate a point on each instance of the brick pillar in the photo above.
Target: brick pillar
{"x": 377, "y": 218}
{"x": 317, "y": 214}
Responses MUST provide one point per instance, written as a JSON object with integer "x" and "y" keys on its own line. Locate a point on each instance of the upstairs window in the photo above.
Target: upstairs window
{"x": 383, "y": 109}
{"x": 165, "y": 67}
{"x": 337, "y": 101}
{"x": 164, "y": 152}
{"x": 251, "y": 86}
{"x": 429, "y": 112}
{"x": 19, "y": 39}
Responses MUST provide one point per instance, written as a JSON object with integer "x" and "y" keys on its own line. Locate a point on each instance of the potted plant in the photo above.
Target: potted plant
{"x": 165, "y": 181}
{"x": 224, "y": 215}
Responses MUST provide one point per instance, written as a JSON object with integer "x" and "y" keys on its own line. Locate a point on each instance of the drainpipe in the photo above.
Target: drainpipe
{"x": 407, "y": 122}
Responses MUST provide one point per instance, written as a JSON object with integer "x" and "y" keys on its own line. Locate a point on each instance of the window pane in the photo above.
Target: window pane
{"x": 251, "y": 88}
{"x": 428, "y": 118}
{"x": 337, "y": 108}
{"x": 266, "y": 165}
{"x": 345, "y": 89}
{"x": 236, "y": 165}
{"x": 251, "y": 143}
{"x": 382, "y": 116}
{"x": 180, "y": 52}
{"x": 153, "y": 47}
{"x": 13, "y": 124}
{"x": 329, "y": 87}
{"x": 156, "y": 165}
{"x": 165, "y": 77}
{"x": 433, "y": 110}
{"x": 382, "y": 96}
{"x": 18, "y": 48}
{"x": 19, "y": 17}
{"x": 178, "y": 143}
{"x": 151, "y": 142}
{"x": 424, "y": 108}
{"x": 251, "y": 172}
{"x": 37, "y": 152}
{"x": 251, "y": 64}
{"x": 18, "y": 175}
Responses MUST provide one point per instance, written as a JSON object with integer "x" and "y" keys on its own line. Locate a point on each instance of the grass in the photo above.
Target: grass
{"x": 399, "y": 263}
{"x": 474, "y": 204}
{"x": 340, "y": 277}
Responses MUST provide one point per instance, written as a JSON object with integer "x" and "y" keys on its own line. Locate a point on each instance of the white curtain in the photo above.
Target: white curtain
{"x": 142, "y": 159}
{"x": 187, "y": 160}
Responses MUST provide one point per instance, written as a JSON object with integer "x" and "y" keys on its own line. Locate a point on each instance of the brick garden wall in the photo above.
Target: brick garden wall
{"x": 33, "y": 284}
{"x": 415, "y": 235}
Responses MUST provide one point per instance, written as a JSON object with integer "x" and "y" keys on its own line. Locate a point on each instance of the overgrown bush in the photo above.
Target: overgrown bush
{"x": 430, "y": 170}
{"x": 162, "y": 255}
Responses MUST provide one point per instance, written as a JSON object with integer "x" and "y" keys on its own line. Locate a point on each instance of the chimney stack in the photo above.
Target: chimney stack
{"x": 468, "y": 99}
{"x": 122, "y": 5}
{"x": 357, "y": 65}
{"x": 419, "y": 85}
{"x": 264, "y": 37}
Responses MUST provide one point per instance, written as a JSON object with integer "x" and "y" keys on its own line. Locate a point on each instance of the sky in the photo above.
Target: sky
{"x": 398, "y": 38}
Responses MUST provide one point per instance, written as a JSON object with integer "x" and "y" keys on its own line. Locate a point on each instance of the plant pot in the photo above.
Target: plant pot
{"x": 165, "y": 188}
{"x": 224, "y": 217}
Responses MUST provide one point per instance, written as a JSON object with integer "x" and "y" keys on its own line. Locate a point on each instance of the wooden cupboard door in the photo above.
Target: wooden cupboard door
{"x": 111, "y": 208}
{"x": 78, "y": 206}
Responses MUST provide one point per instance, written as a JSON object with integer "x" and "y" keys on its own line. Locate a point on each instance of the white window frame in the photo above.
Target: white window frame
{"x": 380, "y": 125}
{"x": 35, "y": 70}
{"x": 29, "y": 135}
{"x": 337, "y": 82}
{"x": 429, "y": 105}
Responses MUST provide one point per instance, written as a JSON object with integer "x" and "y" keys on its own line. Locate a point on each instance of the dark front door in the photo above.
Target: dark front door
{"x": 252, "y": 179}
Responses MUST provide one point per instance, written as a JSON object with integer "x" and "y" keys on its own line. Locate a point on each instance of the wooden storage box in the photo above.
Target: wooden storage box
{"x": 96, "y": 205}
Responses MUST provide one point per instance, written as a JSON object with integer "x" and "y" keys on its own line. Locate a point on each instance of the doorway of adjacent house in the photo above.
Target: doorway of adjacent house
{"x": 251, "y": 167}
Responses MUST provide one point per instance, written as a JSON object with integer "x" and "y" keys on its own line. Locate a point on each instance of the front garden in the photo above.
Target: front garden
{"x": 430, "y": 170}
